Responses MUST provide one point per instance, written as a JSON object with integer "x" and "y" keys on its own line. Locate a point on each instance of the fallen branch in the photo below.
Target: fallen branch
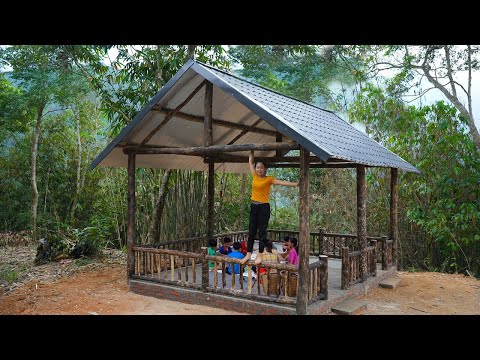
{"x": 419, "y": 310}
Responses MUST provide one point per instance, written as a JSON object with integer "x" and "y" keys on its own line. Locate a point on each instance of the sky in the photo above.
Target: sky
{"x": 462, "y": 77}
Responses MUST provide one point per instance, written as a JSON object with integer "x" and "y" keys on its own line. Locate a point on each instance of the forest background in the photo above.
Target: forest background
{"x": 61, "y": 105}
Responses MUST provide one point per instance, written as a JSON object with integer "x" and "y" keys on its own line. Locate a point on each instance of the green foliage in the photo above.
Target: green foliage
{"x": 56, "y": 245}
{"x": 88, "y": 241}
{"x": 14, "y": 113}
{"x": 8, "y": 274}
{"x": 443, "y": 202}
{"x": 136, "y": 74}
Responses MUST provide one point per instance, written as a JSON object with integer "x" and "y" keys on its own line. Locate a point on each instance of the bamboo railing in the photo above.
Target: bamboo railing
{"x": 189, "y": 269}
{"x": 171, "y": 267}
{"x": 176, "y": 263}
{"x": 193, "y": 244}
{"x": 351, "y": 270}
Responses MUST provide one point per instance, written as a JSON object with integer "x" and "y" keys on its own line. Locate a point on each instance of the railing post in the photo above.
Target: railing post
{"x": 373, "y": 270}
{"x": 345, "y": 268}
{"x": 204, "y": 269}
{"x": 324, "y": 278}
{"x": 384, "y": 253}
{"x": 321, "y": 247}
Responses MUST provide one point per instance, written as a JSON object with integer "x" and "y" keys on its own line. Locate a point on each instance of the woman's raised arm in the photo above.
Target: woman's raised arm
{"x": 251, "y": 163}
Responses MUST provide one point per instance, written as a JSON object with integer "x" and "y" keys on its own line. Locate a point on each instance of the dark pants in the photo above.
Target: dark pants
{"x": 259, "y": 216}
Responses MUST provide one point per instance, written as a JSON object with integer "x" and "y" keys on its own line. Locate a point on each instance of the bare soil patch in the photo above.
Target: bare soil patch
{"x": 427, "y": 293}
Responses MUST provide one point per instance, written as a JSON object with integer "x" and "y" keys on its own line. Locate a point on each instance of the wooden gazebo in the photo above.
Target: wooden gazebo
{"x": 204, "y": 119}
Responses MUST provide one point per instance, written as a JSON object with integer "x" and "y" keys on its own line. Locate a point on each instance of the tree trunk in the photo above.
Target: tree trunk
{"x": 154, "y": 232}
{"x": 34, "y": 172}
{"x": 457, "y": 103}
{"x": 157, "y": 217}
{"x": 191, "y": 51}
{"x": 79, "y": 168}
{"x": 159, "y": 69}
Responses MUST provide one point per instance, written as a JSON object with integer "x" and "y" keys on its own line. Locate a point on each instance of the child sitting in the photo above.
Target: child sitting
{"x": 236, "y": 254}
{"x": 290, "y": 246}
{"x": 212, "y": 251}
{"x": 244, "y": 247}
{"x": 292, "y": 254}
{"x": 226, "y": 249}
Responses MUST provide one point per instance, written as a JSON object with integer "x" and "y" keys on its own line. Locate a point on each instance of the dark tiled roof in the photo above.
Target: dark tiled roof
{"x": 324, "y": 129}
{"x": 320, "y": 131}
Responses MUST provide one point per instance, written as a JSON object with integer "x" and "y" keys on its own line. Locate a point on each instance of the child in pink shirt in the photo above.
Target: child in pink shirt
{"x": 292, "y": 257}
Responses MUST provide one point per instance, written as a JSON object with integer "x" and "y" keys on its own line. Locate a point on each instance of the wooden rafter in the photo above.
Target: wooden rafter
{"x": 244, "y": 131}
{"x": 171, "y": 114}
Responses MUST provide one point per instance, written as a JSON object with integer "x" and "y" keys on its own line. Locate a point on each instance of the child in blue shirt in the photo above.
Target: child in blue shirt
{"x": 237, "y": 254}
{"x": 226, "y": 249}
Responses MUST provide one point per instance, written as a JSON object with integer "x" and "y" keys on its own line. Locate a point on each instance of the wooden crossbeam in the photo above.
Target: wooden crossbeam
{"x": 316, "y": 166}
{"x": 215, "y": 149}
{"x": 267, "y": 160}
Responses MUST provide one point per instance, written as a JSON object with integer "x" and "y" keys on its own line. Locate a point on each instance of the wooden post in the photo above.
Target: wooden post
{"x": 208, "y": 141}
{"x": 131, "y": 216}
{"x": 384, "y": 253}
{"x": 362, "y": 221}
{"x": 345, "y": 268}
{"x": 394, "y": 213}
{"x": 324, "y": 278}
{"x": 207, "y": 119}
{"x": 304, "y": 233}
{"x": 211, "y": 200}
{"x": 204, "y": 269}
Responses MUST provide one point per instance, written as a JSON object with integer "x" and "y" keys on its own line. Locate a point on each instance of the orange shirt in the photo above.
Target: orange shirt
{"x": 261, "y": 188}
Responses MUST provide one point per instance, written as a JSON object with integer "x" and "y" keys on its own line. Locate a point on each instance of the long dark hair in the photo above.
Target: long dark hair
{"x": 294, "y": 241}
{"x": 269, "y": 246}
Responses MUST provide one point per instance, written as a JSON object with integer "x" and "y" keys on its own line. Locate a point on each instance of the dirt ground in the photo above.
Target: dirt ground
{"x": 99, "y": 287}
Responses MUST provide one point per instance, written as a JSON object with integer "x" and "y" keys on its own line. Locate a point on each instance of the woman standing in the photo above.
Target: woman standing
{"x": 260, "y": 207}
